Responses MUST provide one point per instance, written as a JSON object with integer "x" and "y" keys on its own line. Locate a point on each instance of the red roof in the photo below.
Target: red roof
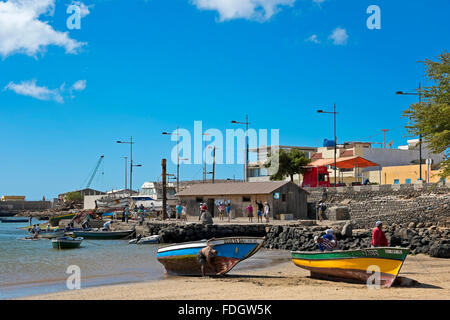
{"x": 317, "y": 155}
{"x": 345, "y": 162}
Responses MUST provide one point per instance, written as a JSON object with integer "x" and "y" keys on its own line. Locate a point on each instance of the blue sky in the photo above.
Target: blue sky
{"x": 137, "y": 68}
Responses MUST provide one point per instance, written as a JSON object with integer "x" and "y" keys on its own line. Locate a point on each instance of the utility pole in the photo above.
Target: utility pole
{"x": 214, "y": 164}
{"x": 335, "y": 139}
{"x": 126, "y": 161}
{"x": 204, "y": 160}
{"x": 384, "y": 131}
{"x": 246, "y": 145}
{"x": 420, "y": 135}
{"x": 131, "y": 161}
{"x": 164, "y": 190}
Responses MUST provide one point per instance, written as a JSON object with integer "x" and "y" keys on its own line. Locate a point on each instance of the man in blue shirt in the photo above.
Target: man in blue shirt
{"x": 179, "y": 209}
{"x": 327, "y": 242}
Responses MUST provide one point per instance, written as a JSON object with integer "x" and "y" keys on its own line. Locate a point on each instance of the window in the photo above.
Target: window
{"x": 396, "y": 181}
{"x": 283, "y": 197}
{"x": 408, "y": 181}
{"x": 246, "y": 199}
{"x": 199, "y": 199}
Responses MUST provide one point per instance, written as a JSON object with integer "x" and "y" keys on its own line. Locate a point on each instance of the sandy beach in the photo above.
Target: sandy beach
{"x": 283, "y": 281}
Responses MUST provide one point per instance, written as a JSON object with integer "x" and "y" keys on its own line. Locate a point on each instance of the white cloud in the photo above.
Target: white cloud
{"x": 84, "y": 9}
{"x": 21, "y": 31}
{"x": 313, "y": 38}
{"x": 339, "y": 36}
{"x": 30, "y": 89}
{"x": 259, "y": 10}
{"x": 80, "y": 85}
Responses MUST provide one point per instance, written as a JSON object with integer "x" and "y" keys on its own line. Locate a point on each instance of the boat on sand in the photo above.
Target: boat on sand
{"x": 181, "y": 258}
{"x": 353, "y": 265}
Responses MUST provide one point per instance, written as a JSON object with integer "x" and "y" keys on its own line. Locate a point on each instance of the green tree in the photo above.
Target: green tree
{"x": 74, "y": 196}
{"x": 289, "y": 163}
{"x": 431, "y": 118}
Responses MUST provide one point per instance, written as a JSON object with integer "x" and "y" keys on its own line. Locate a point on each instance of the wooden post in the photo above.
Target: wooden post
{"x": 164, "y": 191}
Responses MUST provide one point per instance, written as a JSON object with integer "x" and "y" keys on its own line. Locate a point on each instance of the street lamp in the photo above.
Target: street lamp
{"x": 178, "y": 156}
{"x": 126, "y": 165}
{"x": 246, "y": 143}
{"x": 131, "y": 159}
{"x": 420, "y": 135}
{"x": 335, "y": 139}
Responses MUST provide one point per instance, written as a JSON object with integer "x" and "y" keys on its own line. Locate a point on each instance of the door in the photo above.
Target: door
{"x": 211, "y": 206}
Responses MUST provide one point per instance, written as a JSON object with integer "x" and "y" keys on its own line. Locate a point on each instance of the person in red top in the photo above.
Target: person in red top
{"x": 378, "y": 236}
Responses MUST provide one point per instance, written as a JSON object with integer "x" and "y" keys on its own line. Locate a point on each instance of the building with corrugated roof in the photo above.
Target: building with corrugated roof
{"x": 284, "y": 198}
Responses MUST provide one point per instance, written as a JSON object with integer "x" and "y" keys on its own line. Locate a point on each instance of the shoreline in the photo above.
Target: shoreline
{"x": 282, "y": 281}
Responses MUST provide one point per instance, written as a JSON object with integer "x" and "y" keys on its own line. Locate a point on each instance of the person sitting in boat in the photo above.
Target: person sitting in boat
{"x": 37, "y": 229}
{"x": 205, "y": 257}
{"x": 327, "y": 242}
{"x": 107, "y": 225}
{"x": 378, "y": 236}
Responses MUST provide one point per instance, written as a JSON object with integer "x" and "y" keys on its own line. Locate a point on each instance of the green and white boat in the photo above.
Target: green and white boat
{"x": 353, "y": 264}
{"x": 66, "y": 242}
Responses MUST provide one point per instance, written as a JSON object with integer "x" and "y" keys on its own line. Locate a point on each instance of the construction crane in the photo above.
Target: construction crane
{"x": 95, "y": 171}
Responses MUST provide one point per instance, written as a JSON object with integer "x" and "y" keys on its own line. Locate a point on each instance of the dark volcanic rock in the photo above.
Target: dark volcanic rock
{"x": 440, "y": 251}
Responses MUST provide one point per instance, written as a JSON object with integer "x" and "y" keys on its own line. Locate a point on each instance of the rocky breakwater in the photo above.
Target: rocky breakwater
{"x": 179, "y": 232}
{"x": 420, "y": 238}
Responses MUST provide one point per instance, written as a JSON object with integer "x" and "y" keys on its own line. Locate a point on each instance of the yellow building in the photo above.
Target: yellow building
{"x": 13, "y": 198}
{"x": 408, "y": 174}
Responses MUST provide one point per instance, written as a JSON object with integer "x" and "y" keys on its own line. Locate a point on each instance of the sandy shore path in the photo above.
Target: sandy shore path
{"x": 282, "y": 281}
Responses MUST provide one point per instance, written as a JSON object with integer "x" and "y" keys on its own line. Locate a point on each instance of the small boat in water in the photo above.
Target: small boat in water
{"x": 145, "y": 240}
{"x": 66, "y": 242}
{"x": 104, "y": 235}
{"x": 50, "y": 234}
{"x": 353, "y": 265}
{"x": 181, "y": 258}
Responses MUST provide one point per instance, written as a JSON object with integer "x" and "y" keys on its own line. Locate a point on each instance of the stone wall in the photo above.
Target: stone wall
{"x": 419, "y": 238}
{"x": 393, "y": 204}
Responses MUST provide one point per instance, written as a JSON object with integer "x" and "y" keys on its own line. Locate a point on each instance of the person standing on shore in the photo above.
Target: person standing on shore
{"x": 184, "y": 213}
{"x": 378, "y": 236}
{"x": 126, "y": 214}
{"x": 179, "y": 210}
{"x": 221, "y": 209}
{"x": 260, "y": 210}
{"x": 321, "y": 208}
{"x": 266, "y": 211}
{"x": 250, "y": 213}
{"x": 203, "y": 208}
{"x": 228, "y": 209}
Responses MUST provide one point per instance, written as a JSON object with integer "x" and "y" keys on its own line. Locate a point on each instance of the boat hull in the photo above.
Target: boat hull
{"x": 66, "y": 244}
{"x": 103, "y": 235}
{"x": 12, "y": 220}
{"x": 353, "y": 265}
{"x": 146, "y": 240}
{"x": 51, "y": 234}
{"x": 181, "y": 259}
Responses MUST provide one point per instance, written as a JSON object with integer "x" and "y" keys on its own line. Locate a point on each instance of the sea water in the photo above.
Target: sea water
{"x": 35, "y": 267}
